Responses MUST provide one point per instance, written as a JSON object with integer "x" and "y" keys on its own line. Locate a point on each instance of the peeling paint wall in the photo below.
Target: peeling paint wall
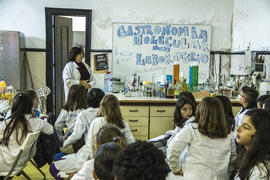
{"x": 251, "y": 24}
{"x": 28, "y": 16}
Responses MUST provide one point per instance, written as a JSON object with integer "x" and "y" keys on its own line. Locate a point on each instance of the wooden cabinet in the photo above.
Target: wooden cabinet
{"x": 138, "y": 119}
{"x": 161, "y": 120}
{"x": 148, "y": 121}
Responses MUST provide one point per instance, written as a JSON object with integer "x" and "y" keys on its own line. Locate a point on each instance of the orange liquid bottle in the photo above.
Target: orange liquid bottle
{"x": 175, "y": 73}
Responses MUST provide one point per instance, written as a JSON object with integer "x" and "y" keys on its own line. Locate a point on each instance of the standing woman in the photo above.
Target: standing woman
{"x": 76, "y": 71}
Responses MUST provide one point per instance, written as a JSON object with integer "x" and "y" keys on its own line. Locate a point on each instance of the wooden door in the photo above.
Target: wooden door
{"x": 63, "y": 39}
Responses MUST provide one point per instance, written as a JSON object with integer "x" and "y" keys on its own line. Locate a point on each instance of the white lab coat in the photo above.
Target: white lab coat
{"x": 66, "y": 119}
{"x": 239, "y": 116}
{"x": 74, "y": 162}
{"x": 82, "y": 124}
{"x": 207, "y": 158}
{"x": 85, "y": 172}
{"x": 258, "y": 172}
{"x": 72, "y": 76}
{"x": 8, "y": 154}
{"x": 171, "y": 133}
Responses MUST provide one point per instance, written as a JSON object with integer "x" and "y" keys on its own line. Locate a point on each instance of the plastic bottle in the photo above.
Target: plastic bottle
{"x": 2, "y": 89}
{"x": 175, "y": 73}
{"x": 170, "y": 91}
{"x": 107, "y": 82}
{"x": 181, "y": 86}
{"x": 3, "y": 85}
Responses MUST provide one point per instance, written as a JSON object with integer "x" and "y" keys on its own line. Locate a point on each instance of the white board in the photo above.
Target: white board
{"x": 152, "y": 49}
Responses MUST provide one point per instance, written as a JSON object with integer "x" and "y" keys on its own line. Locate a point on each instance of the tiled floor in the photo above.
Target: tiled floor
{"x": 34, "y": 174}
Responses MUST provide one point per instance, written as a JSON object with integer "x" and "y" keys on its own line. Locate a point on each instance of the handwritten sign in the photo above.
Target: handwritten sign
{"x": 101, "y": 63}
{"x": 145, "y": 49}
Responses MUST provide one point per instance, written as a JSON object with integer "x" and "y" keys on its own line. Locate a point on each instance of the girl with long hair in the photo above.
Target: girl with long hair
{"x": 183, "y": 114}
{"x": 86, "y": 117}
{"x": 208, "y": 139}
{"x": 109, "y": 113}
{"x": 253, "y": 159}
{"x": 107, "y": 133}
{"x": 227, "y": 110}
{"x": 14, "y": 129}
{"x": 76, "y": 103}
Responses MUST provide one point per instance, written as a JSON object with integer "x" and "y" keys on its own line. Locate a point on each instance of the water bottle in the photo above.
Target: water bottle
{"x": 107, "y": 82}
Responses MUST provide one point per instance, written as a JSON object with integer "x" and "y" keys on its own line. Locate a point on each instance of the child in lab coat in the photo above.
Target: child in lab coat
{"x": 209, "y": 140}
{"x": 76, "y": 103}
{"x": 253, "y": 159}
{"x": 14, "y": 130}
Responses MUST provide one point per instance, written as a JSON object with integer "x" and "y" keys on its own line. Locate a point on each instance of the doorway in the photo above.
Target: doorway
{"x": 58, "y": 42}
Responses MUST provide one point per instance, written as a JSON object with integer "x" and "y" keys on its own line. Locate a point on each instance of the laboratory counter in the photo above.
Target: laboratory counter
{"x": 149, "y": 117}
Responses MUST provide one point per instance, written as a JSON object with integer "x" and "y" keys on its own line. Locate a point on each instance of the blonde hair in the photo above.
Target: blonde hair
{"x": 110, "y": 110}
{"x": 211, "y": 118}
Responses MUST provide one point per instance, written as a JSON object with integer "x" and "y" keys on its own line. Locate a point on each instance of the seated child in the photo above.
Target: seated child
{"x": 141, "y": 160}
{"x": 253, "y": 159}
{"x": 85, "y": 118}
{"x": 183, "y": 114}
{"x": 104, "y": 159}
{"x": 76, "y": 103}
{"x": 107, "y": 133}
{"x": 261, "y": 99}
{"x": 209, "y": 140}
{"x": 14, "y": 130}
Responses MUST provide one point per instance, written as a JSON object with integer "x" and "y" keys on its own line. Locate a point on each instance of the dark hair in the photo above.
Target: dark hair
{"x": 227, "y": 110}
{"x": 31, "y": 93}
{"x": 267, "y": 104}
{"x": 104, "y": 159}
{"x": 189, "y": 96}
{"x": 178, "y": 119}
{"x": 259, "y": 148}
{"x": 250, "y": 94}
{"x": 141, "y": 160}
{"x": 73, "y": 52}
{"x": 76, "y": 98}
{"x": 21, "y": 105}
{"x": 110, "y": 110}
{"x": 110, "y": 133}
{"x": 211, "y": 118}
{"x": 94, "y": 97}
{"x": 261, "y": 99}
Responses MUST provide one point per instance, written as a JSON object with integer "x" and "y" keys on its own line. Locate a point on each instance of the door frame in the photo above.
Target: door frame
{"x": 49, "y": 14}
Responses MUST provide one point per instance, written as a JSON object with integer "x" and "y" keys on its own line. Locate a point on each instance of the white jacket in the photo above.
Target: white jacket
{"x": 82, "y": 124}
{"x": 8, "y": 154}
{"x": 85, "y": 172}
{"x": 239, "y": 116}
{"x": 207, "y": 159}
{"x": 258, "y": 172}
{"x": 71, "y": 76}
{"x": 66, "y": 119}
{"x": 74, "y": 162}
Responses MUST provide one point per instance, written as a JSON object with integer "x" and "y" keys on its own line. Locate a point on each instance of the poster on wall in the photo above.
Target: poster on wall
{"x": 150, "y": 50}
{"x": 101, "y": 63}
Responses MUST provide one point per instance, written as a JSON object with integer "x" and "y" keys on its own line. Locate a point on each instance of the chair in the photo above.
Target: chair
{"x": 25, "y": 154}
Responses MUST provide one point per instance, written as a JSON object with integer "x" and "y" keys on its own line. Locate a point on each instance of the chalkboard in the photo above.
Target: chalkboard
{"x": 101, "y": 62}
{"x": 151, "y": 49}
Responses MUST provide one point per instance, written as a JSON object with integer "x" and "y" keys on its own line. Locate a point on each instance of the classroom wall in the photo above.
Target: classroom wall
{"x": 234, "y": 22}
{"x": 251, "y": 24}
{"x": 28, "y": 16}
